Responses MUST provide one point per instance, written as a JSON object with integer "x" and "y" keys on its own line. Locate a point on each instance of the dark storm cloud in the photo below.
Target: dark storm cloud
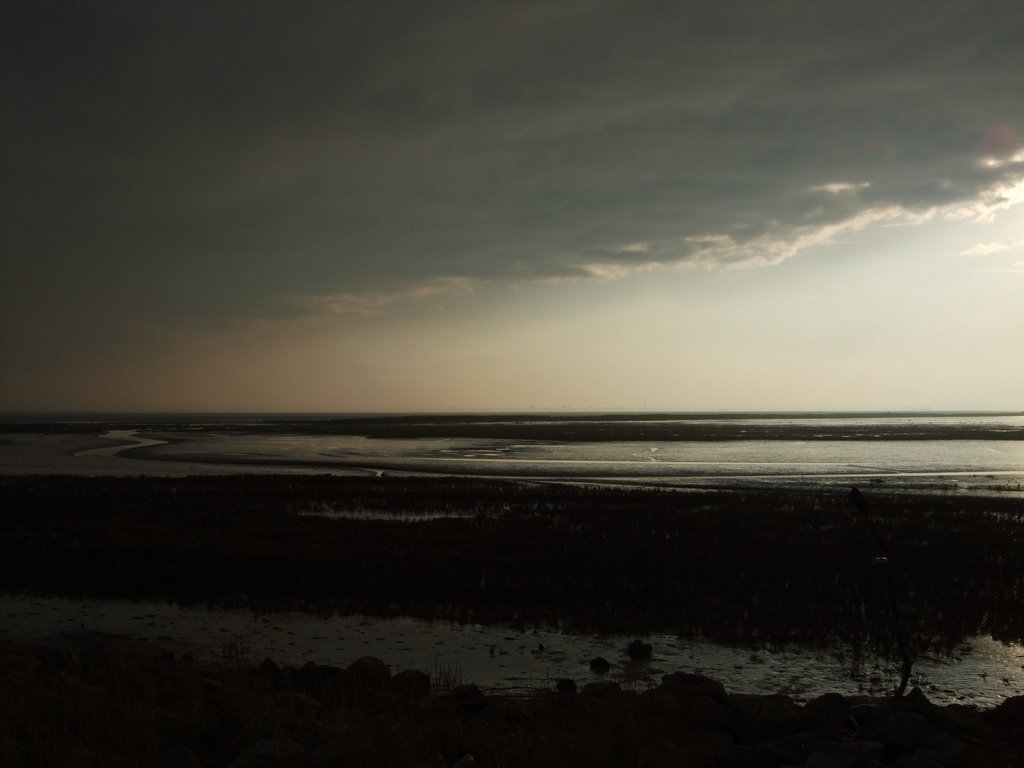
{"x": 198, "y": 163}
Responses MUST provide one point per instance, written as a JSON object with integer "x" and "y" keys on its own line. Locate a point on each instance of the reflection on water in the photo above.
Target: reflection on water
{"x": 953, "y": 454}
{"x": 505, "y": 657}
{"x": 333, "y": 512}
{"x": 127, "y": 438}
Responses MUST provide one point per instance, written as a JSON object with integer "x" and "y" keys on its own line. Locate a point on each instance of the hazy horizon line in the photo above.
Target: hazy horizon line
{"x": 56, "y": 414}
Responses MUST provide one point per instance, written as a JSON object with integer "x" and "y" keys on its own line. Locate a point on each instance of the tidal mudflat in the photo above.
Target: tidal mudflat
{"x": 753, "y": 575}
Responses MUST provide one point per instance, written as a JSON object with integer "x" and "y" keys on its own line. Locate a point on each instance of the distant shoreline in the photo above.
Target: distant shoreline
{"x": 569, "y": 427}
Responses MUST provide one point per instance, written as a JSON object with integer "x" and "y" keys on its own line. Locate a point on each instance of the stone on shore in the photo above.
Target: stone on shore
{"x": 369, "y": 672}
{"x": 411, "y": 683}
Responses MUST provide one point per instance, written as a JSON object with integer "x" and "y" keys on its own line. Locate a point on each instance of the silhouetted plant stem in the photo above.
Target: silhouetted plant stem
{"x": 858, "y": 500}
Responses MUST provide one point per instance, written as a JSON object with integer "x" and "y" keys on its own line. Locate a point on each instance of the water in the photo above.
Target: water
{"x": 973, "y": 454}
{"x": 503, "y": 658}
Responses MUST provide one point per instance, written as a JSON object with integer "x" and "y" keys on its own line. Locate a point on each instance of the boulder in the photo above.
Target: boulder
{"x": 700, "y": 749}
{"x": 565, "y": 685}
{"x": 179, "y": 757}
{"x": 309, "y": 681}
{"x": 864, "y": 750}
{"x": 599, "y": 664}
{"x": 765, "y": 717}
{"x": 411, "y": 683}
{"x": 503, "y": 709}
{"x": 828, "y": 711}
{"x": 601, "y": 689}
{"x": 703, "y": 712}
{"x": 904, "y": 731}
{"x": 269, "y": 668}
{"x": 833, "y": 757}
{"x": 468, "y": 698}
{"x": 1008, "y": 716}
{"x": 369, "y": 672}
{"x": 270, "y": 753}
{"x": 684, "y": 684}
{"x": 654, "y": 705}
{"x": 638, "y": 649}
{"x": 333, "y": 753}
{"x": 298, "y": 704}
{"x": 752, "y": 756}
{"x": 279, "y": 678}
{"x": 869, "y": 715}
{"x": 328, "y": 672}
{"x": 916, "y": 760}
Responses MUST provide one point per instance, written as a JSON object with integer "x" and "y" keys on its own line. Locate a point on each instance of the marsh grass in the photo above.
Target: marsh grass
{"x": 742, "y": 568}
{"x": 445, "y": 674}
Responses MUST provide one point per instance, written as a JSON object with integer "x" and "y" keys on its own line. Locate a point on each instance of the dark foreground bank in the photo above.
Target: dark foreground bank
{"x": 120, "y": 704}
{"x": 733, "y": 567}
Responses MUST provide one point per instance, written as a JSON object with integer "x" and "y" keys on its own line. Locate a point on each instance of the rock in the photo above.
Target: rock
{"x": 309, "y": 681}
{"x": 319, "y": 735}
{"x": 333, "y": 753}
{"x": 961, "y": 718}
{"x": 370, "y": 672}
{"x": 1008, "y": 716}
{"x": 828, "y": 711}
{"x": 703, "y": 712}
{"x": 949, "y": 754}
{"x": 270, "y": 753}
{"x": 751, "y": 756}
{"x": 869, "y": 715}
{"x": 599, "y": 664}
{"x": 831, "y": 758}
{"x": 864, "y": 750}
{"x": 918, "y": 702}
{"x": 269, "y": 668}
{"x": 701, "y": 748}
{"x": 654, "y": 705}
{"x": 503, "y": 709}
{"x": 468, "y": 698}
{"x": 74, "y": 756}
{"x": 339, "y": 688}
{"x": 411, "y": 683}
{"x": 601, "y": 689}
{"x": 916, "y": 760}
{"x": 565, "y": 685}
{"x": 179, "y": 757}
{"x": 279, "y": 678}
{"x": 298, "y": 703}
{"x": 765, "y": 717}
{"x": 683, "y": 684}
{"x": 638, "y": 649}
{"x": 902, "y": 731}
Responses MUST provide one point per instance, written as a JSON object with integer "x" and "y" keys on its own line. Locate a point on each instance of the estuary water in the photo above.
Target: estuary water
{"x": 974, "y": 454}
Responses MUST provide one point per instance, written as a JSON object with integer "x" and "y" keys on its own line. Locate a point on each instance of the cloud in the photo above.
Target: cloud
{"x": 380, "y": 303}
{"x": 837, "y": 187}
{"x": 989, "y": 248}
{"x": 196, "y": 165}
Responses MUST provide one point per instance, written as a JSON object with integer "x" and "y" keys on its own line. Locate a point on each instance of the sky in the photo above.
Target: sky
{"x": 409, "y": 206}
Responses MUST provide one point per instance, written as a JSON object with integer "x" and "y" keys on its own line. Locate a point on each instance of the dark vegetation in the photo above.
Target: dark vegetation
{"x": 560, "y": 427}
{"x": 753, "y": 568}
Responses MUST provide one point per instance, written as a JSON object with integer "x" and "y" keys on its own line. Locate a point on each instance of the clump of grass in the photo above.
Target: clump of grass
{"x": 446, "y": 675}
